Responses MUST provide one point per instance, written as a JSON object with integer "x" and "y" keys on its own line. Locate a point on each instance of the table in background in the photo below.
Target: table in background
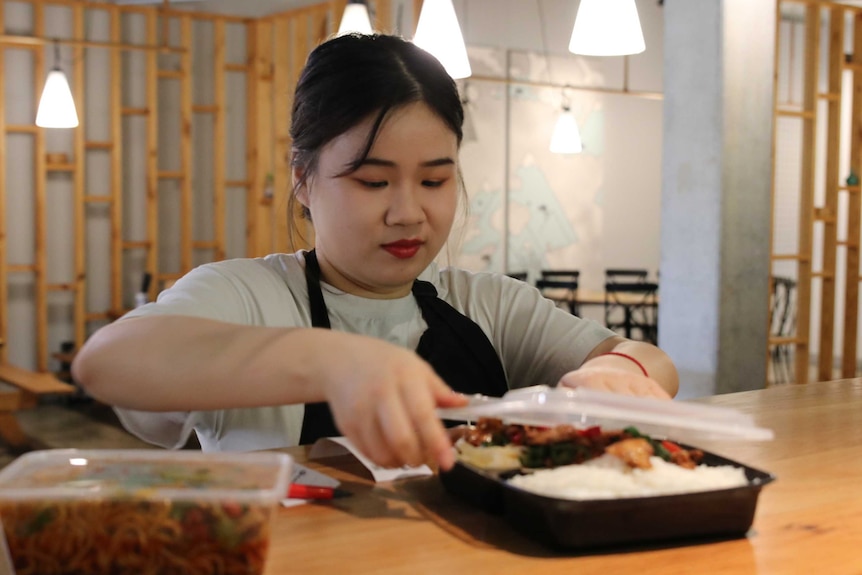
{"x": 809, "y": 520}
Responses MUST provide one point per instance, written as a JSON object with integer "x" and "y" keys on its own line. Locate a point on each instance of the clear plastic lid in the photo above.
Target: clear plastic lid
{"x": 146, "y": 473}
{"x": 581, "y": 407}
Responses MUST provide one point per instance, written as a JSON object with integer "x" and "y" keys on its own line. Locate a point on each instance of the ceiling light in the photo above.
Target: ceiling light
{"x": 607, "y": 28}
{"x": 438, "y": 32}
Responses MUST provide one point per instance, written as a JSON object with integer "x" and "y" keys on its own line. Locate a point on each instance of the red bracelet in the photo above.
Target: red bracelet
{"x": 627, "y": 356}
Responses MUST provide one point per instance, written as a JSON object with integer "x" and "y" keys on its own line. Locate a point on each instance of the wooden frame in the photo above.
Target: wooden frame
{"x": 827, "y": 214}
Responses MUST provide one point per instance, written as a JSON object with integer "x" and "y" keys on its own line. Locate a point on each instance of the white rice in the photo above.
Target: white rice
{"x": 608, "y": 477}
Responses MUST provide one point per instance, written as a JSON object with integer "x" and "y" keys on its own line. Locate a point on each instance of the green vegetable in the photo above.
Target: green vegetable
{"x": 43, "y": 518}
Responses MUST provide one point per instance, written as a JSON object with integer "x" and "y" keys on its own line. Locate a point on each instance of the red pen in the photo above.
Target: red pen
{"x": 300, "y": 491}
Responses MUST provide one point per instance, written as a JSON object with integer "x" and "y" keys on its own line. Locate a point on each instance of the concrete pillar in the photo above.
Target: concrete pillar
{"x": 716, "y": 181}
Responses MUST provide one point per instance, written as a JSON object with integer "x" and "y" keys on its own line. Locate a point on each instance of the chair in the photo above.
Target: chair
{"x": 562, "y": 287}
{"x": 625, "y": 275}
{"x": 518, "y": 275}
{"x": 782, "y": 325}
{"x": 571, "y": 275}
{"x": 632, "y": 309}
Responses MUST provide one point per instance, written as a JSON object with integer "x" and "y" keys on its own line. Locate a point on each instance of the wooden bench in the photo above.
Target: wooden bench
{"x": 21, "y": 389}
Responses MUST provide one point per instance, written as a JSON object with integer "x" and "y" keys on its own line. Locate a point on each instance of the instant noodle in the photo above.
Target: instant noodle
{"x": 144, "y": 512}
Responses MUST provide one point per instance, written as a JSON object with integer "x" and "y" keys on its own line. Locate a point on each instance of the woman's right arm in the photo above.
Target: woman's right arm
{"x": 382, "y": 396}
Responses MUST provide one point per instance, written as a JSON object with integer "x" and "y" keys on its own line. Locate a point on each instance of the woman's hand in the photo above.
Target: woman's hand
{"x": 383, "y": 398}
{"x": 616, "y": 380}
{"x": 630, "y": 367}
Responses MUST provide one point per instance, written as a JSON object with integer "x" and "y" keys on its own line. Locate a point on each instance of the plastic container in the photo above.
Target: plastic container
{"x": 99, "y": 512}
{"x": 592, "y": 524}
{"x": 588, "y": 524}
{"x": 581, "y": 407}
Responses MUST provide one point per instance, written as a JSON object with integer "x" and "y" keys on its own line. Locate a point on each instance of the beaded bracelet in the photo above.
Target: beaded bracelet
{"x": 627, "y": 356}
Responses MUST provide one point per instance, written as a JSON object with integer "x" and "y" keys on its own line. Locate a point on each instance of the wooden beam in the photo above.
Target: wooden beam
{"x": 219, "y": 139}
{"x": 251, "y": 151}
{"x": 186, "y": 190}
{"x": 383, "y": 16}
{"x": 80, "y": 224}
{"x": 808, "y": 161}
{"x": 40, "y": 206}
{"x": 851, "y": 284}
{"x": 152, "y": 143}
{"x": 831, "y": 177}
{"x": 116, "y": 205}
{"x": 290, "y": 38}
{"x": 38, "y": 42}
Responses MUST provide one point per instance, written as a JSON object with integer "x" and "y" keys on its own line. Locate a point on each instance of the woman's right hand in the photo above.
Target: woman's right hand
{"x": 383, "y": 398}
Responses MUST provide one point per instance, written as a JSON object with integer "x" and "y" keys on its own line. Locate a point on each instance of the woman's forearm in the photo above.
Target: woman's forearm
{"x": 167, "y": 363}
{"x": 656, "y": 362}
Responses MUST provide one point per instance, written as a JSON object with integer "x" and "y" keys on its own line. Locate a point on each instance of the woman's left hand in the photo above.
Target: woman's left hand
{"x": 613, "y": 379}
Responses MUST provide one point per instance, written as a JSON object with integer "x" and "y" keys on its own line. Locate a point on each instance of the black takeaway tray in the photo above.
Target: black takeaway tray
{"x": 583, "y": 525}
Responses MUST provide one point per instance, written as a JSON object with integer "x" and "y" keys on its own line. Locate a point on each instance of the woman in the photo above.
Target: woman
{"x": 253, "y": 353}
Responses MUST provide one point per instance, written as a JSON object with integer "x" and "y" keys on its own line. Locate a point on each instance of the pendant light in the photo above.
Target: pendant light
{"x": 56, "y": 106}
{"x": 355, "y": 19}
{"x": 566, "y": 138}
{"x": 438, "y": 32}
{"x": 607, "y": 28}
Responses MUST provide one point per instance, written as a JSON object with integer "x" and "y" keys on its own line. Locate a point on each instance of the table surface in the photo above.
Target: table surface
{"x": 808, "y": 520}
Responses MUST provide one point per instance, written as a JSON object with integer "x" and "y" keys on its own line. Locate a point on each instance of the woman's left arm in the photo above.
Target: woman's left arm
{"x": 625, "y": 366}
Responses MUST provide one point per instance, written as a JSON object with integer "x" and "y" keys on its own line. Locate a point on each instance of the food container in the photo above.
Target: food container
{"x": 68, "y": 511}
{"x": 590, "y": 524}
{"x": 584, "y": 525}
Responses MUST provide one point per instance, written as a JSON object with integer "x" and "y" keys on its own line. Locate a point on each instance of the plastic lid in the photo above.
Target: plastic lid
{"x": 146, "y": 473}
{"x": 545, "y": 406}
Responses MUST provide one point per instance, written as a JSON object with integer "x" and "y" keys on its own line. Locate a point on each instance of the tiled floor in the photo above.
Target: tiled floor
{"x": 82, "y": 424}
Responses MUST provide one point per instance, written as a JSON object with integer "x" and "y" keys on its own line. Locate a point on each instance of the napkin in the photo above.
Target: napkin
{"x": 334, "y": 446}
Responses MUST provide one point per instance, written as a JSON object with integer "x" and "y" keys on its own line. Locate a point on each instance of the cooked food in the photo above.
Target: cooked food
{"x": 108, "y": 516}
{"x": 77, "y": 537}
{"x": 538, "y": 447}
{"x": 609, "y": 477}
{"x": 571, "y": 463}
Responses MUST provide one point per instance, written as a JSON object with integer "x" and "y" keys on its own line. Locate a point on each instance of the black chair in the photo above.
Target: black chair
{"x": 625, "y": 275}
{"x": 631, "y": 308}
{"x": 518, "y": 275}
{"x": 566, "y": 275}
{"x": 562, "y": 287}
{"x": 782, "y": 324}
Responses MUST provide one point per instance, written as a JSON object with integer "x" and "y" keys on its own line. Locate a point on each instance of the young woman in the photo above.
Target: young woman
{"x": 254, "y": 353}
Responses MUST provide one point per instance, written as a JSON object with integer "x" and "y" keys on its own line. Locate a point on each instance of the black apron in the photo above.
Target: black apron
{"x": 457, "y": 349}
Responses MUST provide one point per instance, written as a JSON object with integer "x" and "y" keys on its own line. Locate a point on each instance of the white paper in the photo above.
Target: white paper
{"x": 334, "y": 446}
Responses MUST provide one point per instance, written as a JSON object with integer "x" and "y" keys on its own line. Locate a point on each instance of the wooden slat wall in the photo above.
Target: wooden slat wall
{"x": 829, "y": 52}
{"x": 276, "y": 50}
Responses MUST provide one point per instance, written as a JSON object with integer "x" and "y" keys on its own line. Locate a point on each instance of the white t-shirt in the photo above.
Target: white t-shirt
{"x": 536, "y": 341}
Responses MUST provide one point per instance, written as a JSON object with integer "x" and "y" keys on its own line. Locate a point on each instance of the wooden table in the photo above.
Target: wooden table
{"x": 808, "y": 521}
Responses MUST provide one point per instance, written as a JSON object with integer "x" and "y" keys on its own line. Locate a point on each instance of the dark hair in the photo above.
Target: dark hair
{"x": 349, "y": 78}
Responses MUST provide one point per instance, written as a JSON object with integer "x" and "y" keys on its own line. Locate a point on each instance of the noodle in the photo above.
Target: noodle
{"x": 92, "y": 537}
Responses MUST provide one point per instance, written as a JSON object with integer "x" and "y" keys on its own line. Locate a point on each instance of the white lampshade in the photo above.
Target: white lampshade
{"x": 607, "y": 28}
{"x": 355, "y": 19}
{"x": 438, "y": 32}
{"x": 567, "y": 137}
{"x": 56, "y": 106}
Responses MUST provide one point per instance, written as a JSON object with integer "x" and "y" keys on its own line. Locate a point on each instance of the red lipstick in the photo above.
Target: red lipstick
{"x": 403, "y": 249}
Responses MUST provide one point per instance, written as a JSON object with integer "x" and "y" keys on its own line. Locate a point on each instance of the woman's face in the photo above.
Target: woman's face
{"x": 378, "y": 227}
